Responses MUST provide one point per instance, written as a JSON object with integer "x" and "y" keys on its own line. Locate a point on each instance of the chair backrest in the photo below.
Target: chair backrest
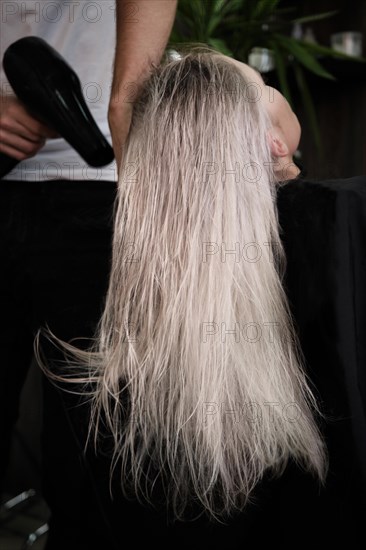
{"x": 324, "y": 235}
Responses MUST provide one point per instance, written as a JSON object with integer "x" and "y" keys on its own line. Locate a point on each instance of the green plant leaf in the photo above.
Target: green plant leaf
{"x": 315, "y": 17}
{"x": 330, "y": 52}
{"x": 234, "y": 27}
{"x": 281, "y": 70}
{"x": 220, "y": 46}
{"x": 263, "y": 8}
{"x": 231, "y": 6}
{"x": 214, "y": 15}
{"x": 303, "y": 55}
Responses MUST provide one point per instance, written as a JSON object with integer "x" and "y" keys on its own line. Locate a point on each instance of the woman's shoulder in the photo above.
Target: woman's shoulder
{"x": 312, "y": 202}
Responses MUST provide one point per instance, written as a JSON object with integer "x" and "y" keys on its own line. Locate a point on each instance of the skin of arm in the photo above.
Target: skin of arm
{"x": 143, "y": 30}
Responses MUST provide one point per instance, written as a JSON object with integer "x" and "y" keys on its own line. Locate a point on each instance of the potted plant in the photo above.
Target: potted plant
{"x": 235, "y": 27}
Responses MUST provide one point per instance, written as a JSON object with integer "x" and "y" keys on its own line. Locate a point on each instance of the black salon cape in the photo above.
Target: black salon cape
{"x": 323, "y": 227}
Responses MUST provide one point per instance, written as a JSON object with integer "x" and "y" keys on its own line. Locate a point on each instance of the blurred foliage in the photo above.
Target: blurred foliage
{"x": 234, "y": 27}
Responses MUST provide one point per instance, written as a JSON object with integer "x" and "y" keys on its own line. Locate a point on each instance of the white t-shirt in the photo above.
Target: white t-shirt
{"x": 84, "y": 33}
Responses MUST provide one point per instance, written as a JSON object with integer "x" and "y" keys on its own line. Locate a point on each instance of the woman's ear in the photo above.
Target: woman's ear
{"x": 277, "y": 145}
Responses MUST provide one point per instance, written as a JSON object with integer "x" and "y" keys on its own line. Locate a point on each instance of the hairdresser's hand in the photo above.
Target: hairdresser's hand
{"x": 21, "y": 135}
{"x": 119, "y": 118}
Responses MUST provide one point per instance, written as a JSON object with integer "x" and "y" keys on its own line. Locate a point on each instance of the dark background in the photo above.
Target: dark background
{"x": 341, "y": 110}
{"x": 340, "y": 105}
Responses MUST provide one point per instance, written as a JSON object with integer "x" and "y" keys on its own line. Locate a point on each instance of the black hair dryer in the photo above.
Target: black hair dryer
{"x": 51, "y": 91}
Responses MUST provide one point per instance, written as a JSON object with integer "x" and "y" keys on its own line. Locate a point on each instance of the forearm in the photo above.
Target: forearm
{"x": 143, "y": 29}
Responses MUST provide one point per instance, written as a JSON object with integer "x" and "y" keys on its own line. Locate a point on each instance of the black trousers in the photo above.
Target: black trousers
{"x": 55, "y": 255}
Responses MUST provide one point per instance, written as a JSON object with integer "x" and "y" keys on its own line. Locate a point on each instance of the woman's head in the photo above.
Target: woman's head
{"x": 196, "y": 329}
{"x": 285, "y": 130}
{"x": 221, "y": 85}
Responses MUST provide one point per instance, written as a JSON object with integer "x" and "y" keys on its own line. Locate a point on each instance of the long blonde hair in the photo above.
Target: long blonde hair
{"x": 196, "y": 369}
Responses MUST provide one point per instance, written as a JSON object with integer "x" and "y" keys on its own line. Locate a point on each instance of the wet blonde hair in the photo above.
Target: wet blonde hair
{"x": 197, "y": 254}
